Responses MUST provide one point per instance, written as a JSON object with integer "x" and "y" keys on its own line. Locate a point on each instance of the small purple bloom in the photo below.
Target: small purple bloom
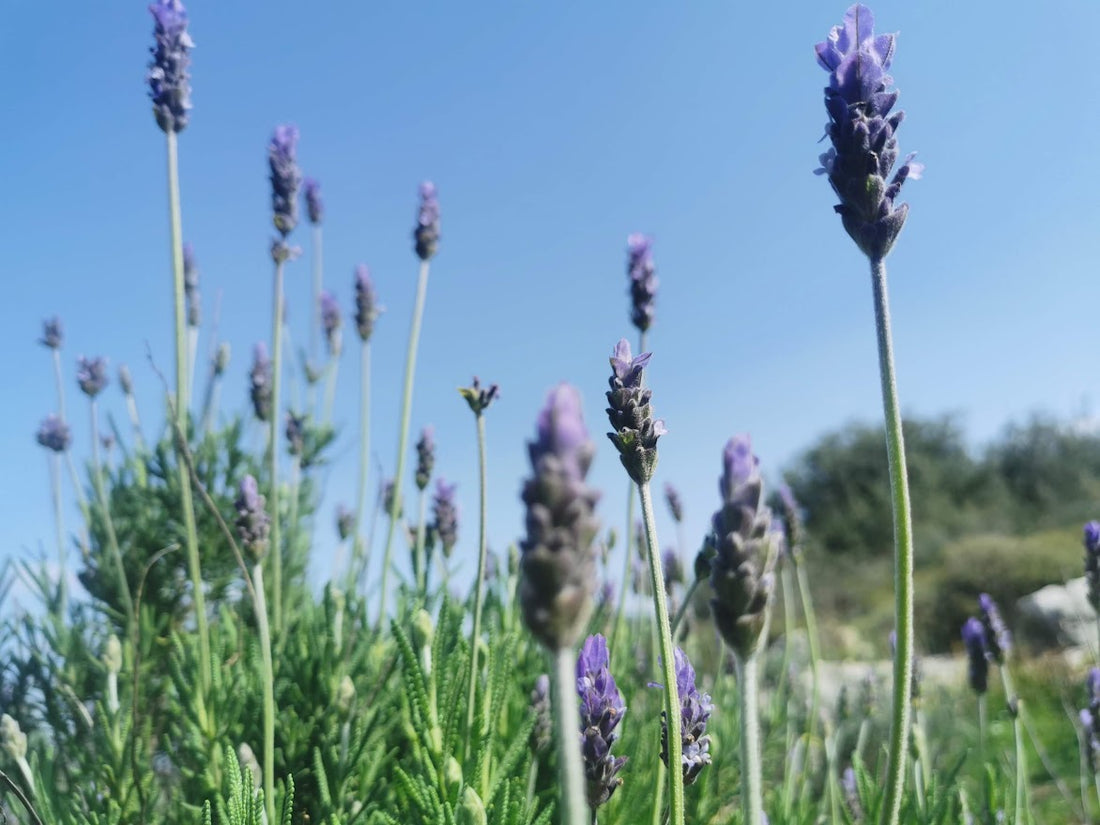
{"x": 91, "y": 375}
{"x": 253, "y": 523}
{"x": 864, "y": 149}
{"x": 998, "y": 639}
{"x": 635, "y": 431}
{"x": 285, "y": 177}
{"x": 542, "y": 733}
{"x": 315, "y": 207}
{"x": 1092, "y": 563}
{"x": 169, "y": 81}
{"x": 478, "y": 397}
{"x": 260, "y": 378}
{"x": 695, "y": 710}
{"x": 425, "y": 457}
{"x": 51, "y": 333}
{"x": 643, "y": 280}
{"x": 601, "y": 710}
{"x": 557, "y": 566}
{"x": 54, "y": 434}
{"x": 331, "y": 321}
{"x": 973, "y": 636}
{"x": 296, "y": 433}
{"x": 191, "y": 286}
{"x": 850, "y": 789}
{"x": 675, "y": 503}
{"x": 426, "y": 233}
{"x": 445, "y": 516}
{"x": 345, "y": 522}
{"x": 366, "y": 303}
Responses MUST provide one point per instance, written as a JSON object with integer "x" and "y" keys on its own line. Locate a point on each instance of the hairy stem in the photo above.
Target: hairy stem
{"x": 364, "y": 460}
{"x": 751, "y": 782}
{"x": 479, "y": 582}
{"x": 573, "y": 807}
{"x": 903, "y": 552}
{"x": 260, "y": 606}
{"x": 273, "y": 450}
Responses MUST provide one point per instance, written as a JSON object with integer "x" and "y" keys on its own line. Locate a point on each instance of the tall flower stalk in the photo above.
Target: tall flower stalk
{"x": 285, "y": 180}
{"x": 425, "y": 462}
{"x": 635, "y": 433}
{"x": 366, "y": 312}
{"x": 426, "y": 243}
{"x": 315, "y": 211}
{"x": 170, "y": 91}
{"x": 861, "y": 128}
{"x": 479, "y": 398}
{"x": 54, "y": 434}
{"x": 557, "y": 569}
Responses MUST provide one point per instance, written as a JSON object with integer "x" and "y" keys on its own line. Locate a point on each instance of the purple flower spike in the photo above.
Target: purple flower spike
{"x": 850, "y": 788}
{"x": 169, "y": 81}
{"x": 675, "y": 503}
{"x": 973, "y": 636}
{"x": 191, "y": 286}
{"x": 285, "y": 176}
{"x": 54, "y": 434}
{"x": 331, "y": 321}
{"x": 998, "y": 639}
{"x": 366, "y": 303}
{"x": 315, "y": 206}
{"x": 426, "y": 233}
{"x": 601, "y": 710}
{"x": 695, "y": 710}
{"x": 643, "y": 280}
{"x": 253, "y": 523}
{"x": 260, "y": 377}
{"x": 1090, "y": 718}
{"x": 295, "y": 433}
{"x": 864, "y": 149}
{"x": 542, "y": 733}
{"x": 51, "y": 333}
{"x": 557, "y": 566}
{"x": 1092, "y": 563}
{"x": 91, "y": 375}
{"x": 425, "y": 457}
{"x": 445, "y": 516}
{"x": 631, "y": 415}
{"x": 744, "y": 554}
{"x": 673, "y": 568}
{"x": 792, "y": 522}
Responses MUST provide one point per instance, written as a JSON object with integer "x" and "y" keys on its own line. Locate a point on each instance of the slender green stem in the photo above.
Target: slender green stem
{"x": 109, "y": 526}
{"x": 193, "y": 566}
{"x": 812, "y": 639}
{"x": 479, "y": 583}
{"x": 628, "y": 555}
{"x": 981, "y": 730}
{"x": 260, "y": 606}
{"x": 364, "y": 458}
{"x": 403, "y": 434}
{"x": 903, "y": 552}
{"x": 420, "y": 562}
{"x": 192, "y": 358}
{"x": 318, "y": 285}
{"x": 679, "y": 620}
{"x": 658, "y": 795}
{"x": 330, "y": 386}
{"x": 60, "y": 384}
{"x": 573, "y": 808}
{"x": 58, "y": 517}
{"x": 1015, "y": 706}
{"x": 668, "y": 660}
{"x": 787, "y": 592}
{"x": 273, "y": 451}
{"x": 751, "y": 783}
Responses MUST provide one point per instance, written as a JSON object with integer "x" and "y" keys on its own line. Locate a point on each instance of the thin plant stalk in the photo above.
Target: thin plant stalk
{"x": 60, "y": 384}
{"x": 981, "y": 730}
{"x": 109, "y": 526}
{"x": 364, "y": 453}
{"x": 260, "y": 606}
{"x": 810, "y": 617}
{"x": 330, "y": 387}
{"x": 1021, "y": 802}
{"x": 192, "y": 357}
{"x": 58, "y": 517}
{"x": 403, "y": 434}
{"x": 668, "y": 665}
{"x": 479, "y": 582}
{"x": 315, "y": 313}
{"x": 292, "y": 507}
{"x": 419, "y": 558}
{"x": 573, "y": 807}
{"x": 186, "y": 505}
{"x": 751, "y": 781}
{"x": 787, "y": 587}
{"x": 678, "y": 622}
{"x": 273, "y": 451}
{"x": 903, "y": 551}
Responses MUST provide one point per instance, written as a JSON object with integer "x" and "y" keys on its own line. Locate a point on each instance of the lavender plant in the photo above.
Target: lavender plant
{"x": 366, "y": 312}
{"x": 602, "y": 710}
{"x": 859, "y": 100}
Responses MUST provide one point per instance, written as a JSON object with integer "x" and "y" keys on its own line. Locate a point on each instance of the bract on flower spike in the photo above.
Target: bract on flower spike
{"x": 253, "y": 523}
{"x": 426, "y": 233}
{"x": 631, "y": 415}
{"x": 445, "y": 515}
{"x": 315, "y": 206}
{"x": 643, "y": 280}
{"x": 285, "y": 178}
{"x": 168, "y": 78}
{"x": 91, "y": 375}
{"x": 260, "y": 375}
{"x": 366, "y": 303}
{"x": 602, "y": 709}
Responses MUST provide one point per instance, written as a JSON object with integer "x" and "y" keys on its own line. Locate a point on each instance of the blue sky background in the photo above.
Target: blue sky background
{"x": 553, "y": 131}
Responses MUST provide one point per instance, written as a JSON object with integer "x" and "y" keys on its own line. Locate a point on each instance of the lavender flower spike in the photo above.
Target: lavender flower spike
{"x": 285, "y": 176}
{"x": 169, "y": 82}
{"x": 315, "y": 206}
{"x": 445, "y": 516}
{"x": 191, "y": 286}
{"x": 864, "y": 149}
{"x": 741, "y": 570}
{"x": 366, "y": 303}
{"x": 695, "y": 710}
{"x": 643, "y": 280}
{"x": 631, "y": 416}
{"x": 558, "y": 565}
{"x": 331, "y": 321}
{"x": 601, "y": 709}
{"x": 51, "y": 333}
{"x": 542, "y": 733}
{"x": 54, "y": 434}
{"x": 425, "y": 457}
{"x": 675, "y": 503}
{"x": 973, "y": 636}
{"x": 998, "y": 639}
{"x": 1090, "y": 718}
{"x": 426, "y": 233}
{"x": 1092, "y": 563}
{"x": 91, "y": 375}
{"x": 260, "y": 377}
{"x": 253, "y": 522}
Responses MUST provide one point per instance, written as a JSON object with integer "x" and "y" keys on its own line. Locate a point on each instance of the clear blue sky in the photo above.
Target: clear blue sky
{"x": 553, "y": 131}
